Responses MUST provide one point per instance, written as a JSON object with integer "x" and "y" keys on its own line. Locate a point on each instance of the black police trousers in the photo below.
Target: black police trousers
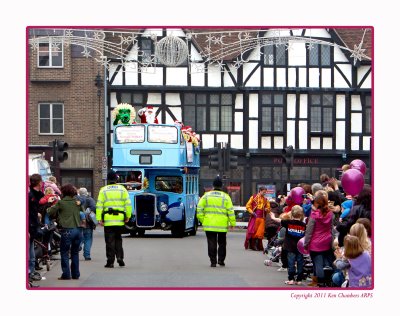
{"x": 215, "y": 239}
{"x": 113, "y": 238}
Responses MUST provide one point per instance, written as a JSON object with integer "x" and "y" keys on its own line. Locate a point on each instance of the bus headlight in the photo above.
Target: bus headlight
{"x": 163, "y": 207}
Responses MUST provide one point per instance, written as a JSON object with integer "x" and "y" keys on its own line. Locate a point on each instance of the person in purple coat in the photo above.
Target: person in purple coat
{"x": 357, "y": 261}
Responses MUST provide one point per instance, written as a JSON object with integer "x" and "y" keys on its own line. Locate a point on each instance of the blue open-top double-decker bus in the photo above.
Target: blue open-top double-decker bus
{"x": 160, "y": 170}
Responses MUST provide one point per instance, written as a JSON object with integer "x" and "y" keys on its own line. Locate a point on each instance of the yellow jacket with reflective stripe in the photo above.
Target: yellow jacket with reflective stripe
{"x": 215, "y": 211}
{"x": 117, "y": 197}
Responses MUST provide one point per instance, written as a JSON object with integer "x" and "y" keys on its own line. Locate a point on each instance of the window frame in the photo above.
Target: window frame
{"x": 51, "y": 118}
{"x": 51, "y": 42}
{"x": 273, "y": 106}
{"x": 274, "y": 51}
{"x": 319, "y": 63}
{"x": 321, "y": 106}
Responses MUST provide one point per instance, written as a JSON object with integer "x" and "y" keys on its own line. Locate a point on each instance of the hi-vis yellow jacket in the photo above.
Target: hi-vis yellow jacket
{"x": 215, "y": 211}
{"x": 113, "y": 196}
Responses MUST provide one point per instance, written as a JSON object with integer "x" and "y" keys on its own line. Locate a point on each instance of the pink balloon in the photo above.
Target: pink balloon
{"x": 300, "y": 247}
{"x": 359, "y": 165}
{"x": 352, "y": 181}
{"x": 296, "y": 194}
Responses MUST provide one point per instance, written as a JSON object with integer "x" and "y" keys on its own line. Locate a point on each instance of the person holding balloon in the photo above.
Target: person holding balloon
{"x": 295, "y": 230}
{"x": 318, "y": 237}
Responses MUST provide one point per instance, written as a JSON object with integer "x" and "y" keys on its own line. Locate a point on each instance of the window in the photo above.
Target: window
{"x": 129, "y": 134}
{"x": 319, "y": 55}
{"x": 368, "y": 113}
{"x": 137, "y": 100}
{"x": 51, "y": 118}
{"x": 272, "y": 112}
{"x": 275, "y": 55}
{"x": 50, "y": 53}
{"x": 147, "y": 50}
{"x": 214, "y": 109}
{"x": 321, "y": 113}
{"x": 169, "y": 184}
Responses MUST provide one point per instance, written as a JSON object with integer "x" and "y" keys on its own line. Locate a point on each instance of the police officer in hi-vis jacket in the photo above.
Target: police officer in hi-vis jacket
{"x": 113, "y": 209}
{"x": 215, "y": 212}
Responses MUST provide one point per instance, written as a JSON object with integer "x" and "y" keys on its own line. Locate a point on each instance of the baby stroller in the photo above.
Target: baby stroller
{"x": 46, "y": 244}
{"x": 273, "y": 250}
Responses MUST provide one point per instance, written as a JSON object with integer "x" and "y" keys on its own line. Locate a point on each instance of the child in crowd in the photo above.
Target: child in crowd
{"x": 49, "y": 199}
{"x": 357, "y": 261}
{"x": 295, "y": 230}
{"x": 359, "y": 231}
{"x": 346, "y": 207}
{"x": 367, "y": 224}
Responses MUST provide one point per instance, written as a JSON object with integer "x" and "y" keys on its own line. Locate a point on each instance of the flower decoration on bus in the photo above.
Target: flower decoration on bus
{"x": 124, "y": 113}
{"x": 145, "y": 183}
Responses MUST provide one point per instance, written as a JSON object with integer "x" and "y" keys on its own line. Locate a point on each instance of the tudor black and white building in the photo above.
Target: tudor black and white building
{"x": 259, "y": 91}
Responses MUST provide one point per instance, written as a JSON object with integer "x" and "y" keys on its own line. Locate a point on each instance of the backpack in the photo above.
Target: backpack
{"x": 90, "y": 217}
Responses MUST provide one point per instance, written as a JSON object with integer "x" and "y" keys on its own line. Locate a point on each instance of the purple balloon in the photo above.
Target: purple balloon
{"x": 297, "y": 195}
{"x": 300, "y": 247}
{"x": 359, "y": 165}
{"x": 352, "y": 181}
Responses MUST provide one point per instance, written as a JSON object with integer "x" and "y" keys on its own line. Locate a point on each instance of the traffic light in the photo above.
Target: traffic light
{"x": 59, "y": 150}
{"x": 215, "y": 160}
{"x": 287, "y": 154}
{"x": 231, "y": 160}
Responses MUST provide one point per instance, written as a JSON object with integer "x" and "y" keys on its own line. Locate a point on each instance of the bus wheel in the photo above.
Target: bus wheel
{"x": 193, "y": 231}
{"x": 133, "y": 233}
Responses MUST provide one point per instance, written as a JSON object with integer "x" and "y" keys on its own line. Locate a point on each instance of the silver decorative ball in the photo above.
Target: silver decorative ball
{"x": 171, "y": 51}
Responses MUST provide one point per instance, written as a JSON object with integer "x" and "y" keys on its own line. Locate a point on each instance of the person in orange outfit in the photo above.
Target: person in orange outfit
{"x": 258, "y": 206}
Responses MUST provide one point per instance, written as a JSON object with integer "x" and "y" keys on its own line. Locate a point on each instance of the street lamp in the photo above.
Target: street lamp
{"x": 98, "y": 82}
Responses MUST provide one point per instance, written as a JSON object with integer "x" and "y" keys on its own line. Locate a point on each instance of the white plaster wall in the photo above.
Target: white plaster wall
{"x": 291, "y": 106}
{"x": 154, "y": 98}
{"x": 356, "y": 103}
{"x": 149, "y": 32}
{"x": 238, "y": 122}
{"x": 237, "y": 141}
{"x": 340, "y": 135}
{"x": 268, "y": 77}
{"x": 346, "y": 70}
{"x": 281, "y": 77}
{"x": 214, "y": 76}
{"x": 303, "y": 106}
{"x": 227, "y": 79}
{"x": 291, "y": 132}
{"x": 177, "y": 111}
{"x": 197, "y": 78}
{"x": 315, "y": 143}
{"x": 131, "y": 76}
{"x": 239, "y": 102}
{"x": 254, "y": 80}
{"x": 356, "y": 122}
{"x": 292, "y": 77}
{"x": 366, "y": 143}
{"x": 266, "y": 142}
{"x": 361, "y": 71}
{"x": 113, "y": 100}
{"x": 326, "y": 78}
{"x": 297, "y": 54}
{"x": 303, "y": 135}
{"x": 253, "y": 105}
{"x": 253, "y": 134}
{"x": 176, "y": 32}
{"x": 340, "y": 106}
{"x": 154, "y": 77}
{"x": 302, "y": 77}
{"x": 255, "y": 53}
{"x": 222, "y": 138}
{"x": 207, "y": 141}
{"x": 176, "y": 76}
{"x": 172, "y": 99}
{"x": 355, "y": 143}
{"x": 194, "y": 54}
{"x": 327, "y": 143}
{"x": 339, "y": 80}
{"x": 278, "y": 142}
{"x": 317, "y": 33}
{"x": 118, "y": 78}
{"x": 314, "y": 77}
{"x": 338, "y": 55}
